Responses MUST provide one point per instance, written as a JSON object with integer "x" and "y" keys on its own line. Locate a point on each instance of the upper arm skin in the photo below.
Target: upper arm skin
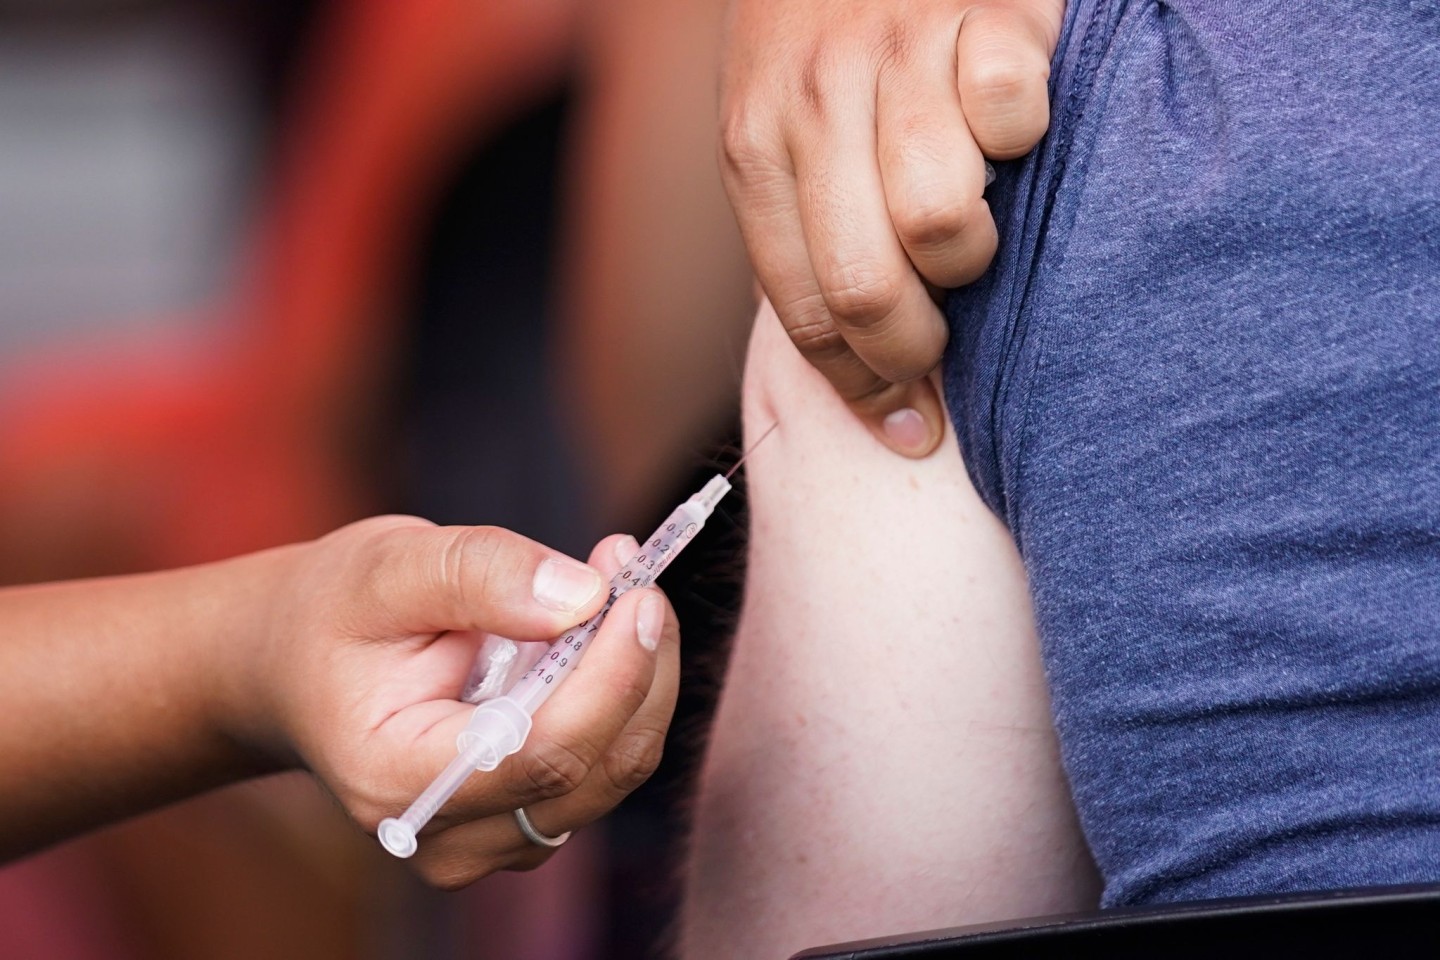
{"x": 883, "y": 758}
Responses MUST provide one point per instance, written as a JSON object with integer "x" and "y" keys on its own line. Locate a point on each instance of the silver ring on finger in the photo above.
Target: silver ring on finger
{"x": 535, "y": 836}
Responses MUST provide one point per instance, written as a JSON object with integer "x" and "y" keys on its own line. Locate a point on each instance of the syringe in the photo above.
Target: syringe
{"x": 499, "y": 727}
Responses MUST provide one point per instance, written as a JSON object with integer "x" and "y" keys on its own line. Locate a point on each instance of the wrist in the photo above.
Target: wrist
{"x": 241, "y": 603}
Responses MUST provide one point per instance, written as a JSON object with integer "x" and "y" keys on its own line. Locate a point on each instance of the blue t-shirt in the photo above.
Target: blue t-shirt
{"x": 1202, "y": 386}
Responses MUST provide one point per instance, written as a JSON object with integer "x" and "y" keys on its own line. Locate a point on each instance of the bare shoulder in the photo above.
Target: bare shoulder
{"x": 883, "y": 758}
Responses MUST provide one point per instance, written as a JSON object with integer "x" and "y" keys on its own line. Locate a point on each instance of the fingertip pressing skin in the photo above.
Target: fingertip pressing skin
{"x": 907, "y": 418}
{"x": 787, "y": 804}
{"x": 868, "y": 284}
{"x": 916, "y": 426}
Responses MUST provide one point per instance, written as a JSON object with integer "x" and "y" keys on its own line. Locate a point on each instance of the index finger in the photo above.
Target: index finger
{"x": 872, "y": 291}
{"x": 906, "y": 417}
{"x": 461, "y": 848}
{"x": 760, "y": 179}
{"x": 574, "y": 730}
{"x": 630, "y": 759}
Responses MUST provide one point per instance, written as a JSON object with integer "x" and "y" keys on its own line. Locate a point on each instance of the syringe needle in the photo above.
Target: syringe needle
{"x": 747, "y": 453}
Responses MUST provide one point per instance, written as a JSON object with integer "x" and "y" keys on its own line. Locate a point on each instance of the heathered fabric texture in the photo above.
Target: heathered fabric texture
{"x": 1202, "y": 386}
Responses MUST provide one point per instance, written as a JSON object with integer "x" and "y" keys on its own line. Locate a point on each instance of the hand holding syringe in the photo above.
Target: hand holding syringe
{"x": 498, "y": 727}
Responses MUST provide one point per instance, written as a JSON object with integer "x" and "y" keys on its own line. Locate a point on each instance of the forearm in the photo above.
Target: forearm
{"x": 345, "y": 656}
{"x": 122, "y": 694}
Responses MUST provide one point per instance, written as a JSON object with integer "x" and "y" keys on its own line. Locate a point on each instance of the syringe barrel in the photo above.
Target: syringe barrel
{"x": 499, "y": 727}
{"x": 655, "y": 554}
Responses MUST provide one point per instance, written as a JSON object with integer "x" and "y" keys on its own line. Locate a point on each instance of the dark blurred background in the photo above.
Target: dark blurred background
{"x": 268, "y": 267}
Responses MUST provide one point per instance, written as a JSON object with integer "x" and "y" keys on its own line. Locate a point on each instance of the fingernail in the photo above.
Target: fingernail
{"x": 564, "y": 585}
{"x": 649, "y": 617}
{"x": 906, "y": 429}
{"x": 625, "y": 549}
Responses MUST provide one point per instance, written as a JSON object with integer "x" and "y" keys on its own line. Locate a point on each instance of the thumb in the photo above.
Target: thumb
{"x": 906, "y": 417}
{"x": 425, "y": 578}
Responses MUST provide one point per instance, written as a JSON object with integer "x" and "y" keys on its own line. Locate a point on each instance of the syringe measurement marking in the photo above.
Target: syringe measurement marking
{"x": 635, "y": 574}
{"x": 499, "y": 726}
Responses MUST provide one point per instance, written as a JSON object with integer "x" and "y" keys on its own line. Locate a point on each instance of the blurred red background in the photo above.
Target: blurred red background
{"x": 266, "y": 268}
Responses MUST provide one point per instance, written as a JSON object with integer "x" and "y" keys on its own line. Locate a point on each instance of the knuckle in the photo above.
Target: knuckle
{"x": 895, "y": 44}
{"x": 531, "y": 859}
{"x": 1000, "y": 80}
{"x": 817, "y": 338}
{"x": 376, "y": 542}
{"x": 556, "y": 768}
{"x": 372, "y": 558}
{"x": 813, "y": 79}
{"x": 1005, "y": 100}
{"x": 811, "y": 329}
{"x": 746, "y": 145}
{"x": 861, "y": 294}
{"x": 635, "y": 758}
{"x": 934, "y": 222}
{"x": 451, "y": 872}
{"x": 479, "y": 567}
{"x": 373, "y": 529}
{"x": 373, "y": 544}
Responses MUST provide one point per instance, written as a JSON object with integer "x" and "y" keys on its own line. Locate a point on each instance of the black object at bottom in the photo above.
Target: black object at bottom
{"x": 1389, "y": 922}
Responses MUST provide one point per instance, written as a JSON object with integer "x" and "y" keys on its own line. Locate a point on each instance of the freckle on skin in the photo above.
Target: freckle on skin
{"x": 914, "y": 484}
